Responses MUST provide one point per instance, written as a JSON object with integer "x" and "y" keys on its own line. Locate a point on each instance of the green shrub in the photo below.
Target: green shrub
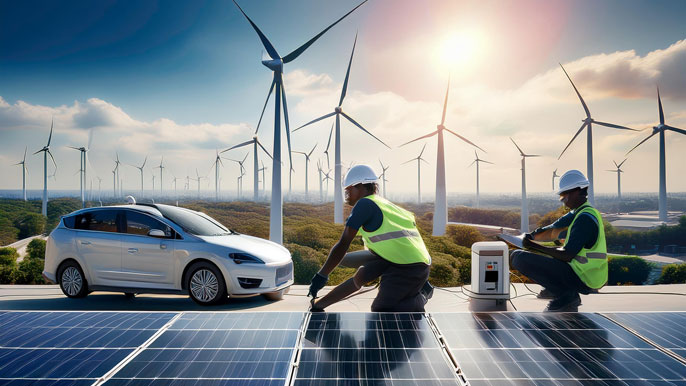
{"x": 30, "y": 224}
{"x": 306, "y": 262}
{"x": 30, "y": 271}
{"x": 36, "y": 249}
{"x": 8, "y": 273}
{"x": 628, "y": 270}
{"x": 8, "y": 256}
{"x": 463, "y": 235}
{"x": 673, "y": 274}
{"x": 449, "y": 271}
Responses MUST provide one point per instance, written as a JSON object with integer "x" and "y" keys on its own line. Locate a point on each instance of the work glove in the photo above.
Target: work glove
{"x": 318, "y": 282}
{"x": 527, "y": 242}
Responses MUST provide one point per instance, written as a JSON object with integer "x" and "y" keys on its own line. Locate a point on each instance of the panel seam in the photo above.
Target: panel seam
{"x": 446, "y": 351}
{"x": 295, "y": 362}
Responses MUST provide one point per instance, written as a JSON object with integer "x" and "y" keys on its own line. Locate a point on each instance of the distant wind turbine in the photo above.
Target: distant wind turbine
{"x": 587, "y": 122}
{"x": 441, "y": 203}
{"x": 140, "y": 168}
{"x": 307, "y": 162}
{"x": 241, "y": 169}
{"x": 660, "y": 128}
{"x": 262, "y": 169}
{"x": 161, "y": 186}
{"x": 275, "y": 64}
{"x": 419, "y": 173}
{"x": 198, "y": 178}
{"x": 116, "y": 178}
{"x": 255, "y": 142}
{"x": 555, "y": 175}
{"x": 46, "y": 151}
{"x": 84, "y": 161}
{"x": 525, "y": 204}
{"x": 338, "y": 111}
{"x": 327, "y": 178}
{"x": 321, "y": 191}
{"x": 215, "y": 165}
{"x": 383, "y": 177}
{"x": 24, "y": 170}
{"x": 476, "y": 161}
{"x": 619, "y": 172}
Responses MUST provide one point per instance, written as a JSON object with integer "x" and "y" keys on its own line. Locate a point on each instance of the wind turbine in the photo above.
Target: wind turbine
{"x": 338, "y": 111}
{"x": 254, "y": 142}
{"x": 525, "y": 204}
{"x": 587, "y": 122}
{"x": 275, "y": 64}
{"x": 239, "y": 184}
{"x": 84, "y": 160}
{"x": 555, "y": 175}
{"x": 441, "y": 203}
{"x": 321, "y": 191}
{"x": 141, "y": 170}
{"x": 160, "y": 167}
{"x": 383, "y": 177}
{"x": 327, "y": 178}
{"x": 262, "y": 169}
{"x": 114, "y": 181}
{"x": 24, "y": 170}
{"x": 99, "y": 189}
{"x": 476, "y": 161}
{"x": 176, "y": 195}
{"x": 242, "y": 168}
{"x": 198, "y": 178}
{"x": 619, "y": 172}
{"x": 419, "y": 173}
{"x": 46, "y": 151}
{"x": 215, "y": 165}
{"x": 116, "y": 178}
{"x": 307, "y": 162}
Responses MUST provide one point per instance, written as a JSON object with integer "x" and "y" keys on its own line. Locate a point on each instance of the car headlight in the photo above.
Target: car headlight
{"x": 240, "y": 258}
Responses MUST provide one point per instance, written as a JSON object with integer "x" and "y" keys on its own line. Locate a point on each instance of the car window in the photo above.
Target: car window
{"x": 193, "y": 222}
{"x": 98, "y": 220}
{"x": 140, "y": 224}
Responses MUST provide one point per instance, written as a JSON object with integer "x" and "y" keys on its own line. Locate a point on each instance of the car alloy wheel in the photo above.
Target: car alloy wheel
{"x": 72, "y": 282}
{"x": 204, "y": 285}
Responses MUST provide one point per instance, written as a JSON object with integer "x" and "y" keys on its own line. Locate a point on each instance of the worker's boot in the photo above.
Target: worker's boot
{"x": 337, "y": 294}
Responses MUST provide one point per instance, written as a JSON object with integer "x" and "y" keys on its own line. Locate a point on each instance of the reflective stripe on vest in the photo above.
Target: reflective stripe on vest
{"x": 591, "y": 263}
{"x": 397, "y": 239}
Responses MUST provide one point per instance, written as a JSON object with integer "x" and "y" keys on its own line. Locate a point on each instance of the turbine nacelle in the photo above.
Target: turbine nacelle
{"x": 440, "y": 127}
{"x": 338, "y": 110}
{"x": 274, "y": 64}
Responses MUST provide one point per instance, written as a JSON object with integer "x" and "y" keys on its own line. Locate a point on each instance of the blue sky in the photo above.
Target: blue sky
{"x": 133, "y": 71}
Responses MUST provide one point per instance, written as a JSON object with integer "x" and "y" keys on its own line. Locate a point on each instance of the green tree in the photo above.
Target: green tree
{"x": 30, "y": 224}
{"x": 673, "y": 274}
{"x": 8, "y": 265}
{"x": 463, "y": 235}
{"x": 30, "y": 271}
{"x": 36, "y": 249}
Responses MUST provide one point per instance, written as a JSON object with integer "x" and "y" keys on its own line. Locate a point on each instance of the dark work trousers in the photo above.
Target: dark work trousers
{"x": 400, "y": 283}
{"x": 555, "y": 275}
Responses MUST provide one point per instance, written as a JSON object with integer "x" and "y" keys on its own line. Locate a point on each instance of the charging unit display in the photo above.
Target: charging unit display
{"x": 490, "y": 271}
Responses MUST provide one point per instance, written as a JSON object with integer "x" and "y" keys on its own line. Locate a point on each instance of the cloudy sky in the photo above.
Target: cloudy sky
{"x": 180, "y": 79}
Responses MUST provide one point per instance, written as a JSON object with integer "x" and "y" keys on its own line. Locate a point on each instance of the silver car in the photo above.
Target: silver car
{"x": 145, "y": 248}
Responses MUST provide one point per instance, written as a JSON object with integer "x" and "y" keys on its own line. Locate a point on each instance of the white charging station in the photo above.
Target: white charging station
{"x": 490, "y": 271}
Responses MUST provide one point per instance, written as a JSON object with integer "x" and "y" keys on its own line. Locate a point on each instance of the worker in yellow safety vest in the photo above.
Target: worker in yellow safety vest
{"x": 394, "y": 251}
{"x": 580, "y": 265}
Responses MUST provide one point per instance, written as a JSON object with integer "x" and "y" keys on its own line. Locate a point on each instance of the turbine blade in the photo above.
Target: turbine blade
{"x": 288, "y": 129}
{"x": 473, "y": 162}
{"x": 265, "y": 150}
{"x": 329, "y": 142}
{"x": 445, "y": 103}
{"x": 271, "y": 88}
{"x": 422, "y": 137}
{"x": 53, "y": 159}
{"x": 659, "y": 106}
{"x": 51, "y": 125}
{"x": 25, "y": 149}
{"x": 464, "y": 139}
{"x": 246, "y": 157}
{"x": 312, "y": 151}
{"x": 615, "y": 162}
{"x": 518, "y": 148}
{"x": 265, "y": 42}
{"x": 486, "y": 162}
{"x": 72, "y": 147}
{"x": 362, "y": 128}
{"x": 406, "y": 162}
{"x": 347, "y": 74}
{"x": 588, "y": 113}
{"x": 422, "y": 152}
{"x": 640, "y": 143}
{"x": 90, "y": 139}
{"x": 144, "y": 161}
{"x": 315, "y": 120}
{"x": 425, "y": 161}
{"x": 620, "y": 165}
{"x": 573, "y": 138}
{"x": 290, "y": 57}
{"x": 613, "y": 125}
{"x": 681, "y": 131}
{"x": 237, "y": 146}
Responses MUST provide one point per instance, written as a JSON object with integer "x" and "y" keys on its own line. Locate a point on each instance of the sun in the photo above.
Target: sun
{"x": 459, "y": 50}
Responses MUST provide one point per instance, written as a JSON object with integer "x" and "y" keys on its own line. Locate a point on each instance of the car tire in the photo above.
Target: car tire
{"x": 205, "y": 284}
{"x": 276, "y": 295}
{"x": 72, "y": 280}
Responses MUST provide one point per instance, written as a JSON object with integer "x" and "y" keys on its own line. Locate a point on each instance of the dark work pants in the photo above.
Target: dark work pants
{"x": 555, "y": 275}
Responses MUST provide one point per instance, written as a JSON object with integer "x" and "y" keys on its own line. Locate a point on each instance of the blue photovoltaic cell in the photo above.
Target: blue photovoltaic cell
{"x": 532, "y": 348}
{"x": 372, "y": 348}
{"x": 49, "y": 382}
{"x": 195, "y": 382}
{"x": 239, "y": 321}
{"x": 58, "y": 363}
{"x": 666, "y": 329}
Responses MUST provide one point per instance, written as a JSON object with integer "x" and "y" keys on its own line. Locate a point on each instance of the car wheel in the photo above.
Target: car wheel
{"x": 205, "y": 284}
{"x": 72, "y": 281}
{"x": 276, "y": 295}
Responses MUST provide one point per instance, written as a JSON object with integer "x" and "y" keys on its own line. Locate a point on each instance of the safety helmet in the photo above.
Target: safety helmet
{"x": 571, "y": 180}
{"x": 359, "y": 174}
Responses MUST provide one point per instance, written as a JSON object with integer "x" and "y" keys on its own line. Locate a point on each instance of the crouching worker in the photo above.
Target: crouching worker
{"x": 395, "y": 251}
{"x": 580, "y": 265}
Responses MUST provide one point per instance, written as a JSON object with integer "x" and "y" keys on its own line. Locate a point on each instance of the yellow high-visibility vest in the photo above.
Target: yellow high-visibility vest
{"x": 590, "y": 264}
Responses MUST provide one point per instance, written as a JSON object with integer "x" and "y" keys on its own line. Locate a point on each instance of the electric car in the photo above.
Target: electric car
{"x": 155, "y": 248}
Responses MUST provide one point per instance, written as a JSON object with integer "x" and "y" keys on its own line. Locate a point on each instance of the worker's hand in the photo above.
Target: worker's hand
{"x": 527, "y": 242}
{"x": 318, "y": 282}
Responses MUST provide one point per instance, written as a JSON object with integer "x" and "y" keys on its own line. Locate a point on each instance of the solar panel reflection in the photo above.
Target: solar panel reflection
{"x": 666, "y": 329}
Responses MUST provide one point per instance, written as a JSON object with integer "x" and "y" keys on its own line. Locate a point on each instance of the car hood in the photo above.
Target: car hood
{"x": 265, "y": 250}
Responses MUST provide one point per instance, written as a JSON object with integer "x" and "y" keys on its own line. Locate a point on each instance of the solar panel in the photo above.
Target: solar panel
{"x": 372, "y": 348}
{"x": 534, "y": 348}
{"x": 664, "y": 328}
{"x": 218, "y": 349}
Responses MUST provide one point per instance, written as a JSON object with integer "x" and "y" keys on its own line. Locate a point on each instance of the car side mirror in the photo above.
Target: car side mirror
{"x": 156, "y": 233}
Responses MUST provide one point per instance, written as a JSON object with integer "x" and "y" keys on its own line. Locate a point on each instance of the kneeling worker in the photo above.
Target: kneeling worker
{"x": 580, "y": 265}
{"x": 396, "y": 251}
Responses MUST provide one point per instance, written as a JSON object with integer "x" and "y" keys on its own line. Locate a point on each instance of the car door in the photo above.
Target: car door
{"x": 98, "y": 243}
{"x": 146, "y": 260}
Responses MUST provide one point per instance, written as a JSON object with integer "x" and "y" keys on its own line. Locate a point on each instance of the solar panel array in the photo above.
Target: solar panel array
{"x": 278, "y": 348}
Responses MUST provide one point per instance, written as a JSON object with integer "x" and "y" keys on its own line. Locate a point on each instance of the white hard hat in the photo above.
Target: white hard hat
{"x": 359, "y": 174}
{"x": 130, "y": 200}
{"x": 571, "y": 180}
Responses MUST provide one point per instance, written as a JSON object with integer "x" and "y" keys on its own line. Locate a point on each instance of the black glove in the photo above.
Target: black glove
{"x": 527, "y": 242}
{"x": 318, "y": 282}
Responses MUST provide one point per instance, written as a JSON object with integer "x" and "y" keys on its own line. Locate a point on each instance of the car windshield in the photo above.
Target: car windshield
{"x": 195, "y": 223}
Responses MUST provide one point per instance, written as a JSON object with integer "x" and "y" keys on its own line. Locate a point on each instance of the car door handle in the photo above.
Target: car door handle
{"x": 163, "y": 246}
{"x": 85, "y": 243}
{"x": 133, "y": 250}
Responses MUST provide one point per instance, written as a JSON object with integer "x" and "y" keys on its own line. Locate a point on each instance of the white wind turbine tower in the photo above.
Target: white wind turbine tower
{"x": 99, "y": 189}
{"x": 239, "y": 184}
{"x": 419, "y": 173}
{"x": 198, "y": 178}
{"x": 307, "y": 162}
{"x": 338, "y": 111}
{"x": 660, "y": 128}
{"x": 46, "y": 151}
{"x": 152, "y": 192}
{"x": 476, "y": 161}
{"x": 554, "y": 177}
{"x": 141, "y": 170}
{"x": 262, "y": 169}
{"x": 215, "y": 165}
{"x": 24, "y": 170}
{"x": 321, "y": 190}
{"x": 84, "y": 161}
{"x": 383, "y": 177}
{"x": 255, "y": 142}
{"x": 327, "y": 178}
{"x": 587, "y": 123}
{"x": 275, "y": 64}
{"x": 116, "y": 177}
{"x": 525, "y": 204}
{"x": 114, "y": 181}
{"x": 241, "y": 169}
{"x": 160, "y": 167}
{"x": 441, "y": 203}
{"x": 619, "y": 172}
{"x": 176, "y": 195}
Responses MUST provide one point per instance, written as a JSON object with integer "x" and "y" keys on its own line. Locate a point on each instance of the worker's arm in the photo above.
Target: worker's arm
{"x": 338, "y": 251}
{"x": 556, "y": 253}
{"x": 584, "y": 234}
{"x": 552, "y": 232}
